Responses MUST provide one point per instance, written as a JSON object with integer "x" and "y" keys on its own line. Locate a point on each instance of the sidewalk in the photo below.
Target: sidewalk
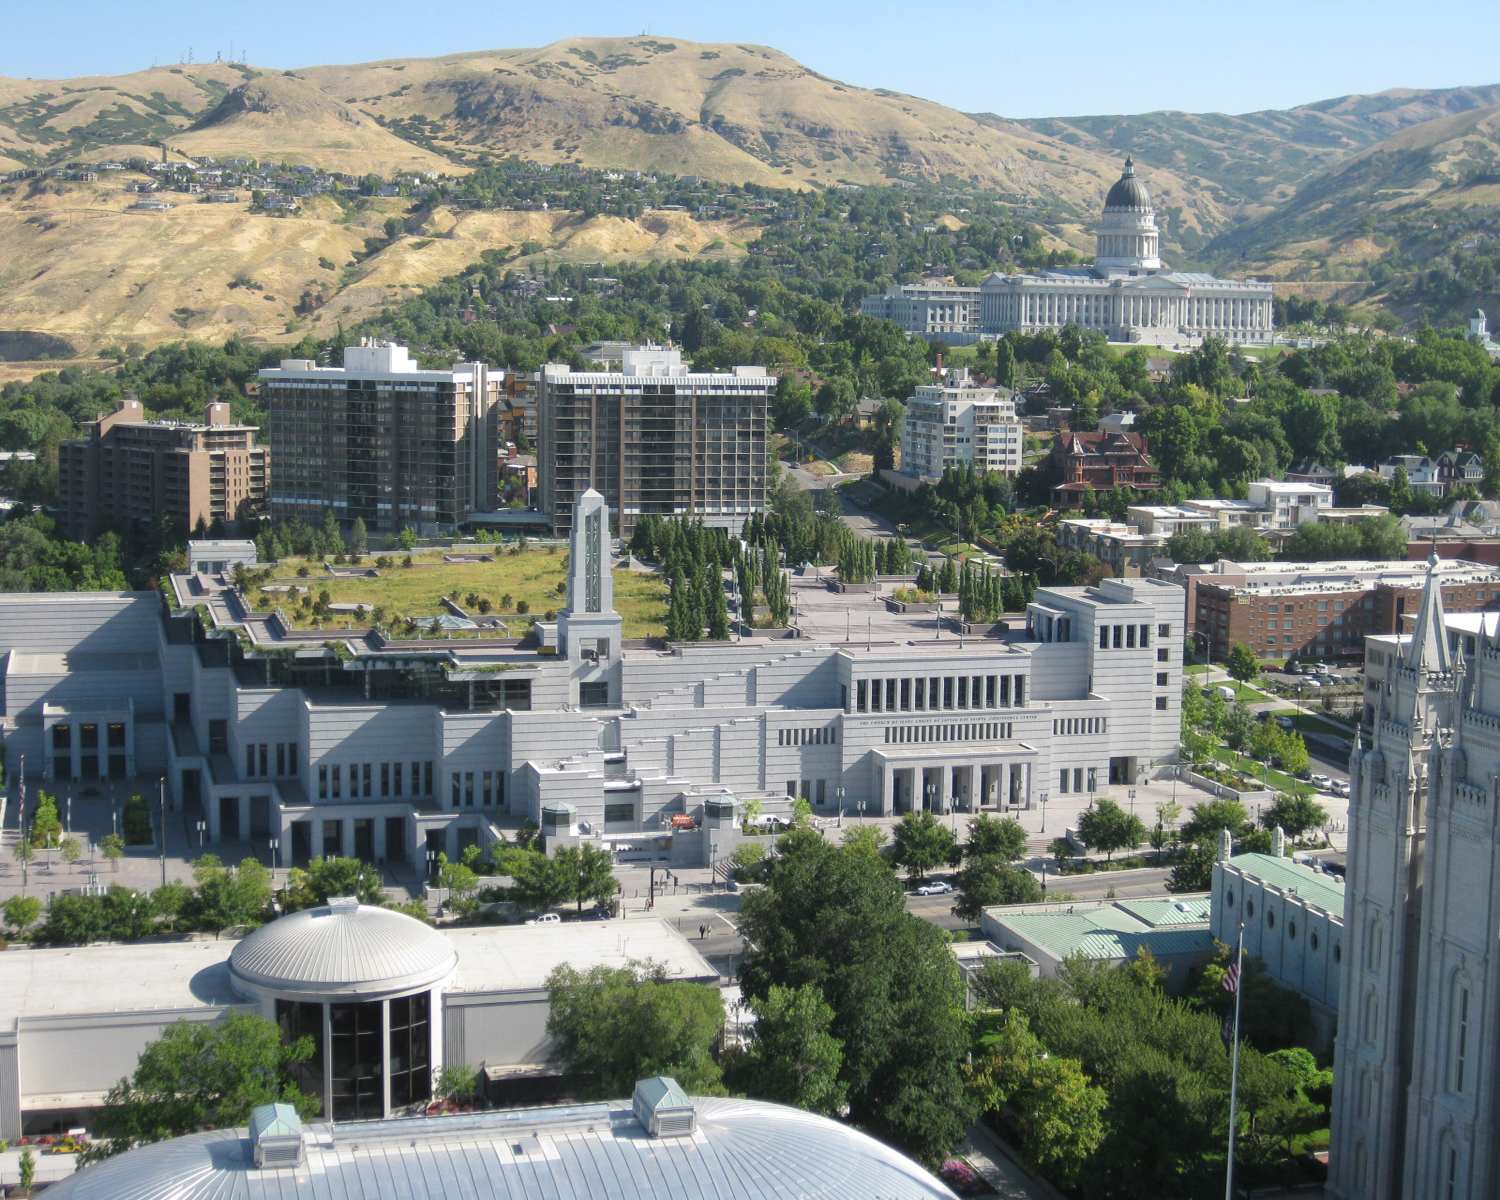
{"x": 984, "y": 1152}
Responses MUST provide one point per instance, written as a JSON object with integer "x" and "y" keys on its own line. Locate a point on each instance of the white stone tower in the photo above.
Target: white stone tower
{"x": 1386, "y": 911}
{"x": 1129, "y": 243}
{"x": 588, "y": 626}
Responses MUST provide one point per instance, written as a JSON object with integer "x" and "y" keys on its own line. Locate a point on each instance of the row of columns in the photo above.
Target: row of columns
{"x": 944, "y": 788}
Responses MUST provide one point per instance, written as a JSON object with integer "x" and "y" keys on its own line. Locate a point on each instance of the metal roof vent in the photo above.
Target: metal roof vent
{"x": 276, "y": 1136}
{"x": 663, "y": 1108}
{"x": 342, "y": 906}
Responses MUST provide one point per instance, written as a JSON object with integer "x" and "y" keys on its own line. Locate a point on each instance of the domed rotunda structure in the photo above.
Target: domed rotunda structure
{"x": 363, "y": 983}
{"x": 1128, "y": 237}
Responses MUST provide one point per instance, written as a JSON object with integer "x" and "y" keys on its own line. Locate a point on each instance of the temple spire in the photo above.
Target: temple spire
{"x": 1429, "y": 641}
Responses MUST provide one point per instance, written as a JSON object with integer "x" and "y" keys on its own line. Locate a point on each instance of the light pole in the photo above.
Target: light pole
{"x": 202, "y": 834}
{"x": 161, "y": 807}
{"x": 273, "y": 845}
{"x": 838, "y": 795}
{"x": 1131, "y": 794}
{"x": 68, "y": 812}
{"x": 1044, "y": 798}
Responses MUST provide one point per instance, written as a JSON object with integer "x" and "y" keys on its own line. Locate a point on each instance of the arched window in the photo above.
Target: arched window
{"x": 1250, "y": 908}
{"x": 1370, "y": 1024}
{"x": 1459, "y": 1033}
{"x": 1229, "y": 898}
{"x": 1313, "y": 938}
{"x": 1374, "y": 942}
{"x": 1291, "y": 929}
{"x": 1270, "y": 919}
{"x": 1447, "y": 1164}
{"x": 1362, "y": 1107}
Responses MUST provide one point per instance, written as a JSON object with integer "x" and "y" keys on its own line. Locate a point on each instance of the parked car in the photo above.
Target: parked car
{"x": 936, "y": 888}
{"x": 1322, "y": 782}
{"x": 545, "y": 919}
{"x": 1341, "y": 787}
{"x": 1285, "y": 722}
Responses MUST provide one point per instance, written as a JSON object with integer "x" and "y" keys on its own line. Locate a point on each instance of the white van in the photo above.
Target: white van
{"x": 1225, "y": 690}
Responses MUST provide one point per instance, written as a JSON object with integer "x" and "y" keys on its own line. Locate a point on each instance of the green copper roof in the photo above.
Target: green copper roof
{"x": 1312, "y": 886}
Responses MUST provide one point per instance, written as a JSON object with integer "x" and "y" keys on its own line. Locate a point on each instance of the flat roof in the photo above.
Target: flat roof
{"x": 1108, "y": 932}
{"x": 194, "y": 974}
{"x": 505, "y": 958}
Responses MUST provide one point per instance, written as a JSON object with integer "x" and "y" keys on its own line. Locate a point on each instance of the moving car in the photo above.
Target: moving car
{"x": 1284, "y": 722}
{"x": 936, "y": 888}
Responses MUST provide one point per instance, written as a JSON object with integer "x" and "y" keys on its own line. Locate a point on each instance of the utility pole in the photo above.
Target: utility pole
{"x": 161, "y": 801}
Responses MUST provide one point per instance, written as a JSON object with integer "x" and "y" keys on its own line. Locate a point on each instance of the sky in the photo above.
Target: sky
{"x": 1030, "y": 59}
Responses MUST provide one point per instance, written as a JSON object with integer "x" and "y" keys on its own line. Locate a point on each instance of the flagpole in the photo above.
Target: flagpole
{"x": 1234, "y": 1070}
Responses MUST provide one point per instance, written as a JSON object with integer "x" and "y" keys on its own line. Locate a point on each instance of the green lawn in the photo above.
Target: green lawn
{"x": 1251, "y": 768}
{"x": 535, "y": 576}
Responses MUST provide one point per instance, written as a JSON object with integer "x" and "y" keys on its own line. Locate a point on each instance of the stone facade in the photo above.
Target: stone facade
{"x": 1415, "y": 1084}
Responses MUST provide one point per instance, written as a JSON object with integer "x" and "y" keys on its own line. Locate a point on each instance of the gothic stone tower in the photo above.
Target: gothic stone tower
{"x": 1388, "y": 911}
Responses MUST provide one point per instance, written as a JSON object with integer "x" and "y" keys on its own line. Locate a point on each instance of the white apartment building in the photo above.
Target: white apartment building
{"x": 1288, "y": 505}
{"x": 1163, "y": 520}
{"x": 955, "y": 423}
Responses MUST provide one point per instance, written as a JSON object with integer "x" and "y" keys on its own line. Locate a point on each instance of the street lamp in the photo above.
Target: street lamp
{"x": 1044, "y": 797}
{"x": 1131, "y": 794}
{"x": 273, "y": 845}
{"x": 202, "y": 833}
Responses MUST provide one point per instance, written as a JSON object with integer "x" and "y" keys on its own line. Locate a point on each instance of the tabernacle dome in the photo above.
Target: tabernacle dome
{"x": 661, "y": 1142}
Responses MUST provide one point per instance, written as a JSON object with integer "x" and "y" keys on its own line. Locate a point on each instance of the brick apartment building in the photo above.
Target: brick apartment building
{"x": 128, "y": 469}
{"x": 1323, "y": 610}
{"x": 1102, "y": 461}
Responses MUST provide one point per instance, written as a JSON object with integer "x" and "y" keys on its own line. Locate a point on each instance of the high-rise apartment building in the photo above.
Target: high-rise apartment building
{"x": 955, "y": 423}
{"x": 382, "y": 439}
{"x": 127, "y": 469}
{"x": 654, "y": 437}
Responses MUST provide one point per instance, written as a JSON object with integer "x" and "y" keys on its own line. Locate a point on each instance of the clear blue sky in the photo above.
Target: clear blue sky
{"x": 1025, "y": 59}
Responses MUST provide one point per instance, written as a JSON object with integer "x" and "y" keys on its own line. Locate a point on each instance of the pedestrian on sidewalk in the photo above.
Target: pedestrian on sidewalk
{"x": 702, "y": 932}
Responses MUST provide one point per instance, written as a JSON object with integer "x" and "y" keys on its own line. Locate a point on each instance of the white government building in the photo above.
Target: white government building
{"x": 1416, "y": 1096}
{"x": 1129, "y": 294}
{"x": 341, "y": 742}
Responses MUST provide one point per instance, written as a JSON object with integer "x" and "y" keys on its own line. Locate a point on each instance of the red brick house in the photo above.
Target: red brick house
{"x": 1102, "y": 461}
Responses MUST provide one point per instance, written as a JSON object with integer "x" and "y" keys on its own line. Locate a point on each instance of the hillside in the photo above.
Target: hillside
{"x": 736, "y": 113}
{"x": 1417, "y": 176}
{"x": 80, "y": 267}
{"x": 1259, "y": 159}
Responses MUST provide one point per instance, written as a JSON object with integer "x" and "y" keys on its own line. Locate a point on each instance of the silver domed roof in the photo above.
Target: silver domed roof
{"x": 1128, "y": 192}
{"x": 343, "y": 948}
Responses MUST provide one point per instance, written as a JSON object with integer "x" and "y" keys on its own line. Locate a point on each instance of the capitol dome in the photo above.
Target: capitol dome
{"x": 342, "y": 949}
{"x": 1129, "y": 242}
{"x": 1128, "y": 192}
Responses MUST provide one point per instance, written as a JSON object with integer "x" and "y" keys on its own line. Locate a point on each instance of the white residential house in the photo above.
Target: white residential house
{"x": 1289, "y": 504}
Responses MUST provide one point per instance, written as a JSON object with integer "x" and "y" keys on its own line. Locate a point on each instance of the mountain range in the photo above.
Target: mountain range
{"x": 1285, "y": 193}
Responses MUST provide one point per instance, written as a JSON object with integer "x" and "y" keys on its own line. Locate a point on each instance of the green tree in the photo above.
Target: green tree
{"x": 71, "y": 850}
{"x": 996, "y": 837}
{"x": 792, "y": 1058}
{"x": 359, "y": 537}
{"x": 199, "y": 1075}
{"x": 22, "y": 912}
{"x": 407, "y": 538}
{"x": 920, "y": 842}
{"x": 589, "y": 872}
{"x": 839, "y": 921}
{"x": 1212, "y": 816}
{"x": 1109, "y": 827}
{"x": 986, "y": 880}
{"x": 1194, "y": 869}
{"x": 27, "y": 1169}
{"x": 1059, "y": 1111}
{"x": 333, "y": 876}
{"x": 112, "y": 846}
{"x": 227, "y": 898}
{"x": 46, "y": 826}
{"x": 1295, "y": 812}
{"x": 1241, "y": 663}
{"x": 1402, "y": 497}
{"x": 865, "y": 839}
{"x": 616, "y": 1025}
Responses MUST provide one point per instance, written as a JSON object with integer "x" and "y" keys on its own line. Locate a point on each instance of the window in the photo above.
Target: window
{"x": 594, "y": 695}
{"x": 1458, "y": 1035}
{"x": 1249, "y": 908}
{"x": 249, "y": 760}
{"x": 1062, "y": 780}
{"x": 619, "y": 814}
{"x": 1229, "y": 898}
{"x": 1370, "y": 1026}
{"x": 1161, "y": 679}
{"x": 1161, "y": 704}
{"x": 1104, "y": 637}
{"x": 1291, "y": 929}
{"x": 1270, "y": 919}
{"x": 1163, "y": 655}
{"x": 385, "y": 779}
{"x": 338, "y": 782}
{"x": 218, "y": 736}
{"x": 322, "y": 782}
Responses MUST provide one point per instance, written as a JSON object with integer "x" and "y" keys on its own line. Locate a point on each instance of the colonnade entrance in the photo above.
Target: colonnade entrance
{"x": 955, "y": 787}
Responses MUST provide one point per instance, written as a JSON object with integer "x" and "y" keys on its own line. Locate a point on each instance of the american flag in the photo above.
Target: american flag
{"x": 1231, "y": 982}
